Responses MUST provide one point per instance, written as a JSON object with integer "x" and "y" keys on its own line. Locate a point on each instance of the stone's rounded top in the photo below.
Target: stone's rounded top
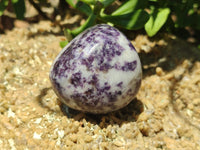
{"x": 98, "y": 71}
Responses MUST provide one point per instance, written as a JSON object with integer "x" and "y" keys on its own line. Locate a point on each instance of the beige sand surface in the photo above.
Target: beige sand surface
{"x": 164, "y": 115}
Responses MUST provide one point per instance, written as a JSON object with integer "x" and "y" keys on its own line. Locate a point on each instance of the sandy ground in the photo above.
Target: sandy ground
{"x": 164, "y": 115}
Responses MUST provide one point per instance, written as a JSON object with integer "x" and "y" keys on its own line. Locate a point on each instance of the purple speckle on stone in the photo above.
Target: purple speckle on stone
{"x": 105, "y": 67}
{"x": 99, "y": 71}
{"x": 76, "y": 79}
{"x": 131, "y": 46}
{"x": 120, "y": 84}
{"x": 129, "y": 66}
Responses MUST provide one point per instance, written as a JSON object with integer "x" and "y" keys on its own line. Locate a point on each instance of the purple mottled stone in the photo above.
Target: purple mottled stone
{"x": 99, "y": 71}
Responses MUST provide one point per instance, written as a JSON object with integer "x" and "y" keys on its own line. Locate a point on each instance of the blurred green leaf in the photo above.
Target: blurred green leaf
{"x": 132, "y": 21}
{"x": 130, "y": 6}
{"x": 14, "y": 1}
{"x": 19, "y": 7}
{"x": 182, "y": 12}
{"x": 72, "y": 3}
{"x": 63, "y": 43}
{"x": 198, "y": 46}
{"x": 157, "y": 20}
{"x": 197, "y": 22}
{"x": 106, "y": 2}
{"x": 153, "y": 0}
{"x": 89, "y": 2}
{"x": 97, "y": 8}
{"x": 3, "y": 5}
{"x": 89, "y": 22}
{"x": 132, "y": 14}
{"x": 83, "y": 7}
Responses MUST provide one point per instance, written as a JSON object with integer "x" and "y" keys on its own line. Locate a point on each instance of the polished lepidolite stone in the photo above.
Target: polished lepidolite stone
{"x": 98, "y": 71}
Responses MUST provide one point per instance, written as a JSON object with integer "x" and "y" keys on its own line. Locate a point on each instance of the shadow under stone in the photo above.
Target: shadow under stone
{"x": 129, "y": 113}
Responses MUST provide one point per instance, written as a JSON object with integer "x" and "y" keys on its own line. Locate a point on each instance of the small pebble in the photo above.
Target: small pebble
{"x": 159, "y": 71}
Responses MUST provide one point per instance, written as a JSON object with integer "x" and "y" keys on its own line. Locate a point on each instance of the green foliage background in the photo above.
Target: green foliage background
{"x": 18, "y": 5}
{"x": 152, "y": 15}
